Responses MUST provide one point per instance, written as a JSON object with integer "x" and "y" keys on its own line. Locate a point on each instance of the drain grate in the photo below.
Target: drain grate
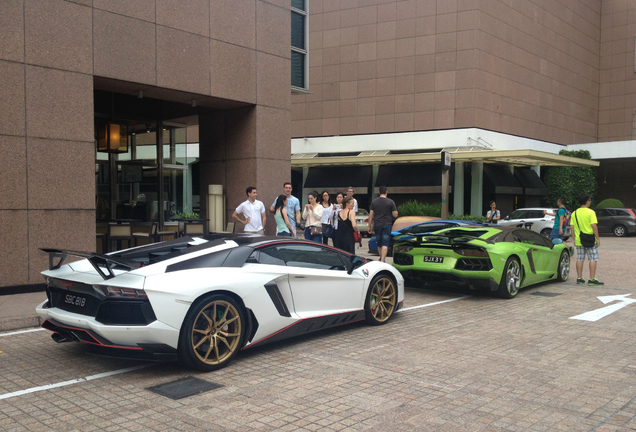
{"x": 546, "y": 294}
{"x": 184, "y": 387}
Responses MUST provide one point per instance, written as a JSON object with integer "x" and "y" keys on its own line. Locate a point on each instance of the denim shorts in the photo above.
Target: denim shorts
{"x": 555, "y": 234}
{"x": 383, "y": 235}
{"x": 284, "y": 234}
{"x": 592, "y": 253}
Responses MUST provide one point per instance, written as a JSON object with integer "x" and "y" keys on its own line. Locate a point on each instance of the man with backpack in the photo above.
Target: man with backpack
{"x": 561, "y": 219}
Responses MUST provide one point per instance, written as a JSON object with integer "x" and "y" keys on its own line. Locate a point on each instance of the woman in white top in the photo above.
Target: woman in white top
{"x": 313, "y": 217}
{"x": 327, "y": 217}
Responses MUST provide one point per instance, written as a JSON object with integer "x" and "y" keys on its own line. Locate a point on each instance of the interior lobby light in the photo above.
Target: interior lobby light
{"x": 112, "y": 138}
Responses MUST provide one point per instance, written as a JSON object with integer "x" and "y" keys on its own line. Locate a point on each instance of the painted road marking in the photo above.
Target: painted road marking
{"x": 433, "y": 304}
{"x": 597, "y": 314}
{"x": 21, "y": 331}
{"x": 71, "y": 382}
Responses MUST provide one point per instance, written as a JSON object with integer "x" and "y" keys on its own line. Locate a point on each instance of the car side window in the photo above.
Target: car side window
{"x": 518, "y": 214}
{"x": 620, "y": 212}
{"x": 536, "y": 214}
{"x": 530, "y": 237}
{"x": 603, "y": 212}
{"x": 268, "y": 255}
{"x": 309, "y": 256}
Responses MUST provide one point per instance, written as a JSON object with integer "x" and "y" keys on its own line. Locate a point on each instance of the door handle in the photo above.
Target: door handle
{"x": 300, "y": 277}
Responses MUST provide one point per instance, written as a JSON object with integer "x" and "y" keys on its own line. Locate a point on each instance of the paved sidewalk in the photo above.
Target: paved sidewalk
{"x": 617, "y": 256}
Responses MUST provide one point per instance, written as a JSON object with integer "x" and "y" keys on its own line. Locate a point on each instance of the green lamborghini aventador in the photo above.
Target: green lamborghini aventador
{"x": 497, "y": 258}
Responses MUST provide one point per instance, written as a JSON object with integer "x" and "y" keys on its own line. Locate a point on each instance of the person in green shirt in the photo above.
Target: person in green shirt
{"x": 584, "y": 221}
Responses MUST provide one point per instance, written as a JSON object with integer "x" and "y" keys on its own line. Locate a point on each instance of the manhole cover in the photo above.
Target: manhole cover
{"x": 546, "y": 294}
{"x": 184, "y": 387}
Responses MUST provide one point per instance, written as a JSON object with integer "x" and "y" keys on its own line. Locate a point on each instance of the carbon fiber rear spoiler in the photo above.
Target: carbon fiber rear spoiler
{"x": 103, "y": 264}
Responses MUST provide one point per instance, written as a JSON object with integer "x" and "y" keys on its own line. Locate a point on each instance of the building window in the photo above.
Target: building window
{"x": 299, "y": 34}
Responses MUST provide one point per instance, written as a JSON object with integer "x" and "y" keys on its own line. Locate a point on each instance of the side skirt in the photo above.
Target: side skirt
{"x": 309, "y": 325}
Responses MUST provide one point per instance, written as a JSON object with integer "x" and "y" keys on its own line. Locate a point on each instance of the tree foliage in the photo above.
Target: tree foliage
{"x": 570, "y": 182}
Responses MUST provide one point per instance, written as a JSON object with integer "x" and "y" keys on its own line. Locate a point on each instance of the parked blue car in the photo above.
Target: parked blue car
{"x": 420, "y": 228}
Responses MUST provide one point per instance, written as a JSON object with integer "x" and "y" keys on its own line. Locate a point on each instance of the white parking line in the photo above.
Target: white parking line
{"x": 433, "y": 304}
{"x": 71, "y": 382}
{"x": 21, "y": 331}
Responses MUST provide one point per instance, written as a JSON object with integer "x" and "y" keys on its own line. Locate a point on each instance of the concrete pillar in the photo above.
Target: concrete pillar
{"x": 458, "y": 189}
{"x": 374, "y": 177}
{"x": 304, "y": 193}
{"x": 537, "y": 169}
{"x": 216, "y": 208}
{"x": 477, "y": 189}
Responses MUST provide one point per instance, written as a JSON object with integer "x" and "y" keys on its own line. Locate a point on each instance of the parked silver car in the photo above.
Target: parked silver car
{"x": 362, "y": 219}
{"x": 535, "y": 219}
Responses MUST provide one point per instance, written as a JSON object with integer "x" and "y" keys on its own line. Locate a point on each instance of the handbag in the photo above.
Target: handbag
{"x": 328, "y": 230}
{"x": 315, "y": 230}
{"x": 587, "y": 240}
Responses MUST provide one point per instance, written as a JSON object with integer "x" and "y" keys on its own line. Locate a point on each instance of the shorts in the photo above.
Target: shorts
{"x": 383, "y": 235}
{"x": 284, "y": 234}
{"x": 555, "y": 234}
{"x": 592, "y": 253}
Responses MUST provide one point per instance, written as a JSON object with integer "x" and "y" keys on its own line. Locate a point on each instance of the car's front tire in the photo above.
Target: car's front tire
{"x": 563, "y": 269}
{"x": 381, "y": 300}
{"x": 212, "y": 332}
{"x": 620, "y": 231}
{"x": 511, "y": 279}
{"x": 545, "y": 232}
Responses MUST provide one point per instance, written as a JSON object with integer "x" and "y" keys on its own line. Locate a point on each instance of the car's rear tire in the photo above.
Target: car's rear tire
{"x": 545, "y": 232}
{"x": 510, "y": 279}
{"x": 563, "y": 269}
{"x": 620, "y": 231}
{"x": 381, "y": 300}
{"x": 212, "y": 332}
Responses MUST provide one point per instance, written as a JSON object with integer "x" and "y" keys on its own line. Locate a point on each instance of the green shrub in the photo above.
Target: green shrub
{"x": 610, "y": 202}
{"x": 416, "y": 208}
{"x": 467, "y": 218}
{"x": 569, "y": 182}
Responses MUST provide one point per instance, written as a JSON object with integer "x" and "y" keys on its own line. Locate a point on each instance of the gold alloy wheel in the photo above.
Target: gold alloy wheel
{"x": 216, "y": 332}
{"x": 382, "y": 300}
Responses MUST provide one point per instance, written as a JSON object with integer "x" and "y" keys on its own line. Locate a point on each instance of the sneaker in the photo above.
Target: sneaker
{"x": 595, "y": 282}
{"x": 580, "y": 281}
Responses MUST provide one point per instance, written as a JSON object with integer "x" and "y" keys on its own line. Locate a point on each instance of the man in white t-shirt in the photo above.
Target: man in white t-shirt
{"x": 253, "y": 212}
{"x": 293, "y": 207}
{"x": 355, "y": 201}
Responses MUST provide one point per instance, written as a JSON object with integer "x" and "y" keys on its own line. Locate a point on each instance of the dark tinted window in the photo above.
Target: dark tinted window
{"x": 620, "y": 212}
{"x": 602, "y": 212}
{"x": 538, "y": 214}
{"x": 310, "y": 256}
{"x": 268, "y": 255}
{"x": 531, "y": 237}
{"x": 518, "y": 214}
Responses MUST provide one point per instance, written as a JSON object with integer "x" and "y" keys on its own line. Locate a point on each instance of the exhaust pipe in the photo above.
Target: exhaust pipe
{"x": 60, "y": 339}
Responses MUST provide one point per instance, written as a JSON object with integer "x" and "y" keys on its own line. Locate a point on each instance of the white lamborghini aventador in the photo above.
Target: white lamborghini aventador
{"x": 203, "y": 299}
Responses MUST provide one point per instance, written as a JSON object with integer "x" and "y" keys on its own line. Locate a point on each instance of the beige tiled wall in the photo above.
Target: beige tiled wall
{"x": 523, "y": 68}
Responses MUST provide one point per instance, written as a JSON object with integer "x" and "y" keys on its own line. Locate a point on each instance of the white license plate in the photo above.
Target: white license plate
{"x": 433, "y": 259}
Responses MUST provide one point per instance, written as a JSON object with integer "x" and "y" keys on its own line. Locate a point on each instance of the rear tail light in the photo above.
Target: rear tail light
{"x": 472, "y": 253}
{"x": 632, "y": 211}
{"x": 111, "y": 291}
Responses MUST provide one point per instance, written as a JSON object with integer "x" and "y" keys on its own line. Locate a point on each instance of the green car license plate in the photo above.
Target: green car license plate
{"x": 433, "y": 259}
